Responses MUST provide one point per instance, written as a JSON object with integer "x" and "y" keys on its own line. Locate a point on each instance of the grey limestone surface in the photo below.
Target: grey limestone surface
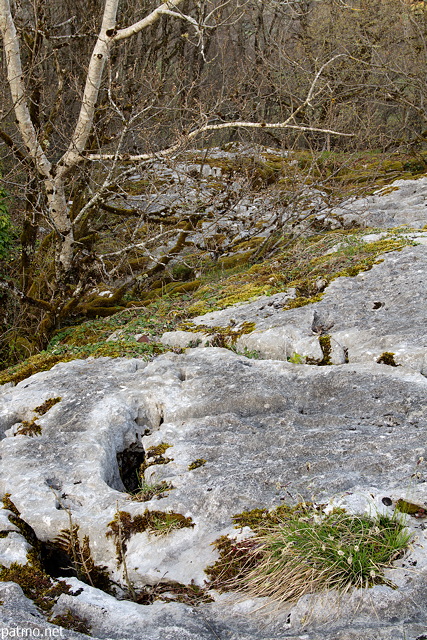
{"x": 267, "y": 429}
{"x": 377, "y": 311}
{"x": 270, "y": 431}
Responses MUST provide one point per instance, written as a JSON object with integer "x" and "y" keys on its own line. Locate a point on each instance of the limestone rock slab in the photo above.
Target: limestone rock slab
{"x": 403, "y": 202}
{"x": 268, "y": 431}
{"x": 377, "y": 311}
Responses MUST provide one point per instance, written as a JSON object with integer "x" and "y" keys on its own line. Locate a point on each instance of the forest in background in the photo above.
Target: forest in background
{"x": 95, "y": 92}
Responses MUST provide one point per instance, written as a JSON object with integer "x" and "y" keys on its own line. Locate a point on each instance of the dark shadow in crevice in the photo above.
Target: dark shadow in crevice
{"x": 129, "y": 462}
{"x": 56, "y": 563}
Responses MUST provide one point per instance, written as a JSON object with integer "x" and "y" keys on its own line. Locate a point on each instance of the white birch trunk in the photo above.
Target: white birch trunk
{"x": 17, "y": 90}
{"x": 91, "y": 91}
{"x": 54, "y": 190}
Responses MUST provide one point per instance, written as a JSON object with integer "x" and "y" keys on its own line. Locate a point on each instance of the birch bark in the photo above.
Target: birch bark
{"x": 55, "y": 176}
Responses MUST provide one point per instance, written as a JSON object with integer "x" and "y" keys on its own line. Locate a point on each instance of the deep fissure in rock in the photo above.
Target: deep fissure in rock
{"x": 55, "y": 562}
{"x": 129, "y": 462}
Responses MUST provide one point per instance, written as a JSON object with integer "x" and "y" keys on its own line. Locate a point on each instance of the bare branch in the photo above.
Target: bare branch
{"x": 140, "y": 245}
{"x": 183, "y": 16}
{"x": 307, "y": 101}
{"x": 153, "y": 17}
{"x": 212, "y": 127}
{"x": 12, "y": 145}
{"x": 35, "y": 302}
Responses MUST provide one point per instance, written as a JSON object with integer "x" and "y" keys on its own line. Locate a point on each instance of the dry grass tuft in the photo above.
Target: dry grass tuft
{"x": 310, "y": 552}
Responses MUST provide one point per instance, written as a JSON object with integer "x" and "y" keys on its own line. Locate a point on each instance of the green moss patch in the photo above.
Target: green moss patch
{"x": 416, "y": 510}
{"x": 325, "y": 345}
{"x": 45, "y": 360}
{"x": 304, "y": 261}
{"x": 155, "y": 455}
{"x": 200, "y": 462}
{"x": 156, "y": 523}
{"x": 221, "y": 336}
{"x": 297, "y": 263}
{"x": 31, "y": 427}
{"x": 35, "y": 583}
{"x": 47, "y": 405}
{"x": 387, "y": 358}
{"x": 70, "y": 620}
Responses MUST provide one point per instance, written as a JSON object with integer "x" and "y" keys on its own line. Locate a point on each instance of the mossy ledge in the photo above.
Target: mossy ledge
{"x": 157, "y": 523}
{"x": 298, "y": 263}
{"x": 45, "y": 360}
{"x": 221, "y": 336}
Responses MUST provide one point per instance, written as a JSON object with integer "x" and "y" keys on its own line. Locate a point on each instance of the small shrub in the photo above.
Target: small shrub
{"x": 296, "y": 358}
{"x": 79, "y": 555}
{"x": 6, "y": 229}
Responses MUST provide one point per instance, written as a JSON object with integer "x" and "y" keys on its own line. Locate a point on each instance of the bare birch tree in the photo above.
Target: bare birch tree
{"x": 53, "y": 173}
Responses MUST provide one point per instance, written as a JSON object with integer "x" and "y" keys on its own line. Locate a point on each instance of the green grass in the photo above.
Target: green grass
{"x": 307, "y": 551}
{"x": 149, "y": 490}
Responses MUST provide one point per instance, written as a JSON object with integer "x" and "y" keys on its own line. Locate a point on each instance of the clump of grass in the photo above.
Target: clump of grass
{"x": 148, "y": 490}
{"x": 312, "y": 552}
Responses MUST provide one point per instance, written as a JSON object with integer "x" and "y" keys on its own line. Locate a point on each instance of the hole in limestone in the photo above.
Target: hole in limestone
{"x": 69, "y": 555}
{"x": 56, "y": 563}
{"x": 129, "y": 462}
